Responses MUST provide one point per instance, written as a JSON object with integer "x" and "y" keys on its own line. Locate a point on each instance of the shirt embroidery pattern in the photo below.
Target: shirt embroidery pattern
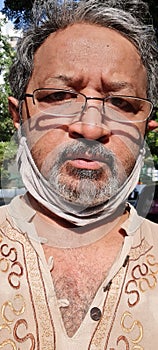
{"x": 43, "y": 327}
{"x": 26, "y": 314}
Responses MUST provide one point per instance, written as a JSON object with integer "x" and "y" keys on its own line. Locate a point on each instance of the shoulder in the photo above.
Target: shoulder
{"x": 141, "y": 229}
{"x": 148, "y": 225}
{"x": 3, "y": 214}
{"x": 149, "y": 230}
{"x": 11, "y": 211}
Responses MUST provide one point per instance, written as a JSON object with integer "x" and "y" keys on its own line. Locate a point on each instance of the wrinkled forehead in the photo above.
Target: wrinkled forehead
{"x": 85, "y": 49}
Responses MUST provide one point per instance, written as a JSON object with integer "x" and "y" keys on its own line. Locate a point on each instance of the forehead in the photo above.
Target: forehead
{"x": 84, "y": 50}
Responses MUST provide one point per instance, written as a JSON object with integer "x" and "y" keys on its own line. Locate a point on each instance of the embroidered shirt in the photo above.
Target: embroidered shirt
{"x": 123, "y": 314}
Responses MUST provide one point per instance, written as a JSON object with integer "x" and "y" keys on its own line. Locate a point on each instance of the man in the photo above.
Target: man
{"x": 78, "y": 266}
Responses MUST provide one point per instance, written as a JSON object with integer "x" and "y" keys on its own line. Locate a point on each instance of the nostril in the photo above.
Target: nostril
{"x": 75, "y": 135}
{"x": 103, "y": 139}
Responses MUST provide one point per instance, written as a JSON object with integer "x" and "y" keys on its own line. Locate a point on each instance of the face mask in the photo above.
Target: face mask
{"x": 45, "y": 192}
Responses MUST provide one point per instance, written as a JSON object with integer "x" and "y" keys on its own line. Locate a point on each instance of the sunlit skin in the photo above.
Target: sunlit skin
{"x": 98, "y": 62}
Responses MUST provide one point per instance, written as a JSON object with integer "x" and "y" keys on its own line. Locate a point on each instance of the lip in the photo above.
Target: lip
{"x": 87, "y": 160}
{"x": 89, "y": 157}
{"x": 82, "y": 163}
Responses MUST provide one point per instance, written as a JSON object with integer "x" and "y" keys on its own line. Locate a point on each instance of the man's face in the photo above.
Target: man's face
{"x": 86, "y": 160}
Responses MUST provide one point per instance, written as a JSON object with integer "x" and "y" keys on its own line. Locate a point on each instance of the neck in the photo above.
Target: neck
{"x": 58, "y": 232}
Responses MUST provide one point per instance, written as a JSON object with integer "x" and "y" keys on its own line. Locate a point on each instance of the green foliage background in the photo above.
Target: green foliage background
{"x": 6, "y": 126}
{"x": 6, "y": 56}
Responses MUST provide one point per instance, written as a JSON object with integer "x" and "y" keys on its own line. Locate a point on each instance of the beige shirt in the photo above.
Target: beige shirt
{"x": 123, "y": 314}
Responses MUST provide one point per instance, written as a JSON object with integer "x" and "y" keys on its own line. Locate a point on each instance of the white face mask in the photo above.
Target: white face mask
{"x": 45, "y": 191}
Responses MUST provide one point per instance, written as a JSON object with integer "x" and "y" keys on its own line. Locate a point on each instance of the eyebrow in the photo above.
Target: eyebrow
{"x": 109, "y": 86}
{"x": 117, "y": 85}
{"x": 64, "y": 78}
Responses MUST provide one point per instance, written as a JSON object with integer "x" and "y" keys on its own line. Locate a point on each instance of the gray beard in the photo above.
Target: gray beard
{"x": 40, "y": 189}
{"x": 86, "y": 187}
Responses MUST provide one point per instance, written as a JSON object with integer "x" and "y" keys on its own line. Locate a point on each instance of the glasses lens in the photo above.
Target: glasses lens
{"x": 127, "y": 109}
{"x": 65, "y": 103}
{"x": 58, "y": 102}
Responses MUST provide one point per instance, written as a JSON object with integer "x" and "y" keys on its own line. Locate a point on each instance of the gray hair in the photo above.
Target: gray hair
{"x": 130, "y": 18}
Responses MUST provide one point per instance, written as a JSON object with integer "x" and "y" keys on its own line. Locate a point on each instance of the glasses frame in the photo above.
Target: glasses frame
{"x": 87, "y": 98}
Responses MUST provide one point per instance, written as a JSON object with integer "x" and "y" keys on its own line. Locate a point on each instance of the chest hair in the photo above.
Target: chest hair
{"x": 77, "y": 275}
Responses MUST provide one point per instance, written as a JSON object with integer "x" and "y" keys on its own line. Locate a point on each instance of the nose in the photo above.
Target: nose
{"x": 90, "y": 125}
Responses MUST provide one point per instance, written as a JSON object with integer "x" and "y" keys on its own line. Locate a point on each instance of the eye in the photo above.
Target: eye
{"x": 54, "y": 97}
{"x": 57, "y": 96}
{"x": 125, "y": 104}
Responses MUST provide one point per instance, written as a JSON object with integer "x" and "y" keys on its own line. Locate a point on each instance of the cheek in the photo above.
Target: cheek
{"x": 43, "y": 146}
{"x": 126, "y": 149}
{"x": 41, "y": 129}
{"x": 127, "y": 137}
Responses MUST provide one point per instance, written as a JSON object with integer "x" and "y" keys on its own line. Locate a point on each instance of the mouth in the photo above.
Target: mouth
{"x": 87, "y": 156}
{"x": 88, "y": 161}
{"x": 83, "y": 162}
{"x": 84, "y": 173}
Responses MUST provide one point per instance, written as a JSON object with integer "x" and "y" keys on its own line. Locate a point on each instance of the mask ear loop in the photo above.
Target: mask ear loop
{"x": 20, "y": 111}
{"x": 21, "y": 130}
{"x": 149, "y": 118}
{"x": 143, "y": 149}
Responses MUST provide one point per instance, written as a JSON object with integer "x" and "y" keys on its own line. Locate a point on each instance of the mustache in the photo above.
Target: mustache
{"x": 89, "y": 150}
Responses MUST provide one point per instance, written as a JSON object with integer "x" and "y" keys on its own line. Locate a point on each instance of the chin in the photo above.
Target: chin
{"x": 87, "y": 188}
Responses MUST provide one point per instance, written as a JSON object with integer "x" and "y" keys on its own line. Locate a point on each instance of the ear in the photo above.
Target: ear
{"x": 14, "y": 111}
{"x": 152, "y": 125}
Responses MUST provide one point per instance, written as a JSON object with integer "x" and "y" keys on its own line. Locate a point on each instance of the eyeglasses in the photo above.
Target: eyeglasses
{"x": 69, "y": 104}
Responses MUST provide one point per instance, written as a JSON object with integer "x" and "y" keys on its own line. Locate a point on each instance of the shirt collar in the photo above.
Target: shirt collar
{"x": 22, "y": 215}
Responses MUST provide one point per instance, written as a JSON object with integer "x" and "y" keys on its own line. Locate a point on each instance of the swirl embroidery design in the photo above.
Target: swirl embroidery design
{"x": 15, "y": 307}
